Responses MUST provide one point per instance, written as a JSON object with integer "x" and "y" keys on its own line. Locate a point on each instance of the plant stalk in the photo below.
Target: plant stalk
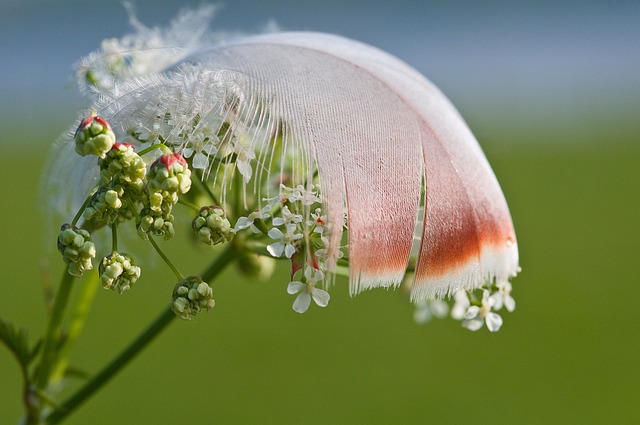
{"x": 128, "y": 354}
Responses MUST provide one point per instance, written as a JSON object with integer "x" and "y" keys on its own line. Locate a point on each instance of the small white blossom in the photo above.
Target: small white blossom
{"x": 476, "y": 316}
{"x": 308, "y": 291}
{"x": 287, "y": 217}
{"x": 285, "y": 243}
{"x": 427, "y": 309}
{"x": 307, "y": 197}
{"x": 201, "y": 145}
{"x": 323, "y": 253}
{"x": 244, "y": 222}
{"x": 461, "y": 304}
{"x": 503, "y": 297}
{"x": 243, "y": 162}
{"x": 318, "y": 220}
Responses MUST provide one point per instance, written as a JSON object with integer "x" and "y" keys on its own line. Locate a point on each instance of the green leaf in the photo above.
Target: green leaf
{"x": 74, "y": 372}
{"x": 16, "y": 341}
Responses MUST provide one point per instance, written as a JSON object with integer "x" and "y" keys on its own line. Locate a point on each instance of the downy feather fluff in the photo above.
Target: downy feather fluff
{"x": 391, "y": 153}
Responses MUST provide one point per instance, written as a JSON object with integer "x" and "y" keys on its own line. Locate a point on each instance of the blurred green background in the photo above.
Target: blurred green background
{"x": 565, "y": 146}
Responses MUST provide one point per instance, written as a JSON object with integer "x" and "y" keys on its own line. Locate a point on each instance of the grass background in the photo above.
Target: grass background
{"x": 548, "y": 94}
{"x": 568, "y": 354}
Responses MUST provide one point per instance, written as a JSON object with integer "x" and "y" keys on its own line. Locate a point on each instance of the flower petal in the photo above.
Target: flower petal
{"x": 494, "y": 322}
{"x": 301, "y": 304}
{"x": 200, "y": 161}
{"x": 472, "y": 312}
{"x": 509, "y": 303}
{"x": 289, "y": 250}
{"x": 473, "y": 324}
{"x": 320, "y": 297}
{"x": 295, "y": 287}
{"x": 276, "y": 249}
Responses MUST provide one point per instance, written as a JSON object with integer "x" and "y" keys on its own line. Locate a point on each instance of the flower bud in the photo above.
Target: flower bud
{"x": 170, "y": 172}
{"x": 122, "y": 165}
{"x": 190, "y": 296}
{"x": 256, "y": 267}
{"x": 94, "y": 136}
{"x": 110, "y": 203}
{"x": 118, "y": 272}
{"x": 212, "y": 226}
{"x": 76, "y": 248}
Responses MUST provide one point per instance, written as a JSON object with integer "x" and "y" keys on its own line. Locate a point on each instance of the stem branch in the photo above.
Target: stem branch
{"x": 136, "y": 346}
{"x": 52, "y": 337}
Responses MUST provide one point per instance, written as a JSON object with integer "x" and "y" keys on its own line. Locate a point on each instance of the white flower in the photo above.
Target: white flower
{"x": 243, "y": 162}
{"x": 323, "y": 253}
{"x": 318, "y": 220}
{"x": 307, "y": 291}
{"x": 285, "y": 243}
{"x": 461, "y": 304}
{"x": 427, "y": 309}
{"x": 503, "y": 297}
{"x": 307, "y": 197}
{"x": 203, "y": 146}
{"x": 287, "y": 217}
{"x": 476, "y": 316}
{"x": 244, "y": 222}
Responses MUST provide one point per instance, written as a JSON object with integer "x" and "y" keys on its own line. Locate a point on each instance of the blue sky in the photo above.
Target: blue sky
{"x": 550, "y": 69}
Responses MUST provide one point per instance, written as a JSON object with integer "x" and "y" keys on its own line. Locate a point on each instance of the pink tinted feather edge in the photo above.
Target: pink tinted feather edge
{"x": 468, "y": 238}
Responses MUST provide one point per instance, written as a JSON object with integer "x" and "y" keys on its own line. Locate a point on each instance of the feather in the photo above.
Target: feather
{"x": 384, "y": 141}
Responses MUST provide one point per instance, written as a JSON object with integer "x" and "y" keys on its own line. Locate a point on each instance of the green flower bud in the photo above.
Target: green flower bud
{"x": 211, "y": 226}
{"x": 76, "y": 248}
{"x": 190, "y": 296}
{"x": 111, "y": 203}
{"x": 94, "y": 137}
{"x": 123, "y": 166}
{"x": 149, "y": 221}
{"x": 255, "y": 266}
{"x": 170, "y": 172}
{"x": 118, "y": 272}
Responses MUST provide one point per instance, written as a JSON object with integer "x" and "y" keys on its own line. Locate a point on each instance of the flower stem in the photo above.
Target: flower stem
{"x": 77, "y": 317}
{"x": 203, "y": 186}
{"x": 160, "y": 146}
{"x": 114, "y": 237}
{"x": 52, "y": 337}
{"x": 112, "y": 368}
{"x": 136, "y": 346}
{"x": 194, "y": 207}
{"x": 166, "y": 259}
{"x": 84, "y": 206}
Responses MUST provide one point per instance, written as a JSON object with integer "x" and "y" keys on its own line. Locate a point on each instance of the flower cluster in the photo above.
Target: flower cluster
{"x": 127, "y": 188}
{"x": 190, "y": 296}
{"x": 473, "y": 310}
{"x": 76, "y": 248}
{"x": 294, "y": 222}
{"x": 212, "y": 226}
{"x": 118, "y": 272}
{"x": 168, "y": 176}
{"x": 94, "y": 137}
{"x": 122, "y": 174}
{"x": 290, "y": 226}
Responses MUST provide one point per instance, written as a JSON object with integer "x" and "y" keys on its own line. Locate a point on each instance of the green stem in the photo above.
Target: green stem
{"x": 129, "y": 353}
{"x": 114, "y": 237}
{"x": 203, "y": 185}
{"x": 78, "y": 316}
{"x": 52, "y": 337}
{"x": 166, "y": 259}
{"x": 164, "y": 149}
{"x": 84, "y": 206}
{"x": 194, "y": 207}
{"x": 112, "y": 368}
